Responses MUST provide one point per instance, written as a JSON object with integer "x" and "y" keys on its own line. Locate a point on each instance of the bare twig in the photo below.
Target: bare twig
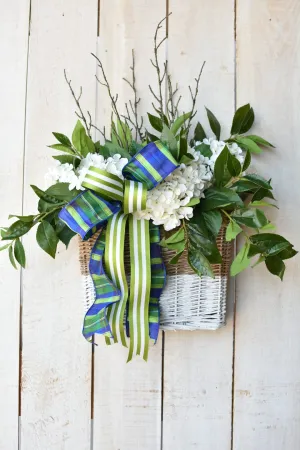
{"x": 113, "y": 99}
{"x": 79, "y": 114}
{"x": 134, "y": 106}
{"x": 194, "y": 99}
{"x": 160, "y": 74}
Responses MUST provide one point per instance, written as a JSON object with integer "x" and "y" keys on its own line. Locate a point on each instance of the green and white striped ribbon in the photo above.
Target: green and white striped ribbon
{"x": 114, "y": 267}
{"x": 135, "y": 196}
{"x": 106, "y": 184}
{"x": 138, "y": 314}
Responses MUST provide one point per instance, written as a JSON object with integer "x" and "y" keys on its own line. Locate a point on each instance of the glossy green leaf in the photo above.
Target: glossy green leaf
{"x": 61, "y": 192}
{"x": 63, "y": 139}
{"x": 17, "y": 229}
{"x": 248, "y": 144}
{"x": 62, "y": 148}
{"x": 47, "y": 238}
{"x": 241, "y": 261}
{"x": 275, "y": 266}
{"x": 177, "y": 236}
{"x": 65, "y": 235}
{"x": 199, "y": 133}
{"x": 11, "y": 257}
{"x": 234, "y": 166}
{"x": 221, "y": 173}
{"x": 23, "y": 218}
{"x": 114, "y": 149}
{"x": 213, "y": 221}
{"x": 67, "y": 159}
{"x": 252, "y": 218}
{"x": 19, "y": 253}
{"x": 179, "y": 122}
{"x": 258, "y": 180}
{"x": 204, "y": 149}
{"x": 216, "y": 198}
{"x": 248, "y": 122}
{"x": 269, "y": 243}
{"x": 193, "y": 202}
{"x": 152, "y": 137}
{"x": 240, "y": 118}
{"x": 175, "y": 259}
{"x": 199, "y": 238}
{"x": 186, "y": 159}
{"x": 124, "y": 133}
{"x": 257, "y": 203}
{"x": 168, "y": 138}
{"x": 269, "y": 227}
{"x": 183, "y": 146}
{"x": 247, "y": 161}
{"x": 261, "y": 193}
{"x": 155, "y": 122}
{"x": 81, "y": 141}
{"x": 259, "y": 140}
{"x": 232, "y": 230}
{"x": 199, "y": 263}
{"x": 46, "y": 197}
{"x": 214, "y": 123}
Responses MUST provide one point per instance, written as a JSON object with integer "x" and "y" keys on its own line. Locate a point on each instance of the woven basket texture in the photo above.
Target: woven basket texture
{"x": 188, "y": 302}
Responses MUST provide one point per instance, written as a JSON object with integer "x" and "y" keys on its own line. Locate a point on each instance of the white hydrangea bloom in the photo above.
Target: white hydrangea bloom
{"x": 166, "y": 203}
{"x": 65, "y": 173}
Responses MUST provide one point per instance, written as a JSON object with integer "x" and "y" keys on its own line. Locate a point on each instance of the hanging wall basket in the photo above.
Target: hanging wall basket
{"x": 188, "y": 302}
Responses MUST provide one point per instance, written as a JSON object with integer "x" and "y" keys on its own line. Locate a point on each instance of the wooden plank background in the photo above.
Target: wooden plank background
{"x": 235, "y": 389}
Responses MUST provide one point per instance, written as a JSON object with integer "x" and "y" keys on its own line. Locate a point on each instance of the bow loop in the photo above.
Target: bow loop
{"x": 151, "y": 165}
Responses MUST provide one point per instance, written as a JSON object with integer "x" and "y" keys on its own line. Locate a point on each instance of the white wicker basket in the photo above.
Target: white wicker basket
{"x": 188, "y": 302}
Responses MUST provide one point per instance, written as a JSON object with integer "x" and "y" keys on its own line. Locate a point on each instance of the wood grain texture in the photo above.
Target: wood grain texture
{"x": 127, "y": 400}
{"x": 13, "y": 55}
{"x": 198, "y": 365}
{"x": 267, "y": 395}
{"x": 56, "y": 385}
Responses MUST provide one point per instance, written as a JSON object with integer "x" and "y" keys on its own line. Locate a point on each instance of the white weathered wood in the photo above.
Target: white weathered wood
{"x": 13, "y": 55}
{"x": 56, "y": 383}
{"x": 127, "y": 400}
{"x": 267, "y": 367}
{"x": 197, "y": 371}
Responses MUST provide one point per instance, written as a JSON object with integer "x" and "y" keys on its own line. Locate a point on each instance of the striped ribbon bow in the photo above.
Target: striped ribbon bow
{"x": 107, "y": 204}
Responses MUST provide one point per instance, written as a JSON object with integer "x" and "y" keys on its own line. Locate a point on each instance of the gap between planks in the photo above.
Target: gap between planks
{"x": 235, "y": 243}
{"x": 21, "y": 269}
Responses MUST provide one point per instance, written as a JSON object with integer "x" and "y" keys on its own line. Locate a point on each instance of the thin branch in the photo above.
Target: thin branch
{"x": 79, "y": 114}
{"x": 155, "y": 63}
{"x": 113, "y": 98}
{"x": 134, "y": 106}
{"x": 194, "y": 98}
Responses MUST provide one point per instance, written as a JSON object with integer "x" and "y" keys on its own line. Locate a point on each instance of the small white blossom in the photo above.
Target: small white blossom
{"x": 65, "y": 173}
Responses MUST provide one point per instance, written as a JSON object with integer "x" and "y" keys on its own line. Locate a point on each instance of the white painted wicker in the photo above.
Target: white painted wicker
{"x": 188, "y": 302}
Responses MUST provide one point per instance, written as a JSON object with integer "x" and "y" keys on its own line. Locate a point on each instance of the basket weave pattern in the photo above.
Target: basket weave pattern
{"x": 188, "y": 302}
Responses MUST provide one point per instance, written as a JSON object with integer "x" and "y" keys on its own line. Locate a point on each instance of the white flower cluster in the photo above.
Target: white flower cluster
{"x": 65, "y": 173}
{"x": 167, "y": 202}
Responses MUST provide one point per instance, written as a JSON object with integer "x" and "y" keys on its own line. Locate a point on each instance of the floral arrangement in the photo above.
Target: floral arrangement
{"x": 159, "y": 177}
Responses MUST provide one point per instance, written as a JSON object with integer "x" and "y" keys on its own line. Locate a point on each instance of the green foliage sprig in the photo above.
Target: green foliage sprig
{"x": 235, "y": 200}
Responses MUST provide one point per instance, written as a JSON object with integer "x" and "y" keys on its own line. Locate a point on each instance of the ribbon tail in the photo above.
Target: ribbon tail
{"x": 158, "y": 280}
{"x": 140, "y": 285}
{"x": 114, "y": 265}
{"x": 95, "y": 320}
